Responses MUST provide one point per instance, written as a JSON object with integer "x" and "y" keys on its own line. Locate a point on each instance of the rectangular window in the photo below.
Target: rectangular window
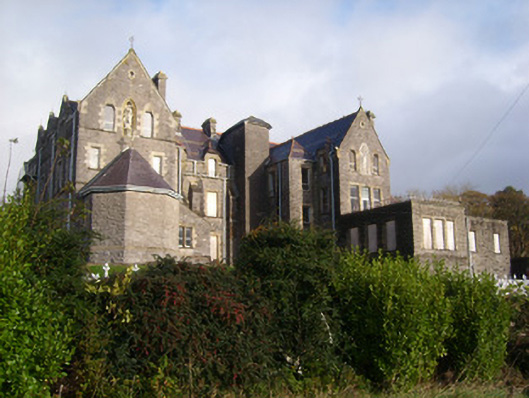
{"x": 438, "y": 234}
{"x": 157, "y": 163}
{"x": 94, "y": 157}
{"x": 450, "y": 236}
{"x": 427, "y": 233}
{"x": 211, "y": 204}
{"x": 109, "y": 117}
{"x": 212, "y": 167}
{"x": 324, "y": 200}
{"x": 376, "y": 170}
{"x": 472, "y": 241}
{"x": 147, "y": 125}
{"x": 372, "y": 242}
{"x": 352, "y": 160}
{"x": 496, "y": 238}
{"x": 214, "y": 247}
{"x": 354, "y": 238}
{"x": 355, "y": 199}
{"x": 185, "y": 237}
{"x": 305, "y": 178}
{"x": 306, "y": 217}
{"x": 391, "y": 236}
{"x": 366, "y": 198}
{"x": 376, "y": 198}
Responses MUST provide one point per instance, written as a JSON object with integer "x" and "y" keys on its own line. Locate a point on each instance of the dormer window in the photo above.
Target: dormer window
{"x": 109, "y": 117}
{"x": 147, "y": 125}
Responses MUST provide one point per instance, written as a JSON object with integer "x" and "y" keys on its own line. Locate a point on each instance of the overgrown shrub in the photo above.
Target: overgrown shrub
{"x": 481, "y": 316}
{"x": 518, "y": 343}
{"x": 36, "y": 328}
{"x": 197, "y": 325}
{"x": 395, "y": 318}
{"x": 294, "y": 269}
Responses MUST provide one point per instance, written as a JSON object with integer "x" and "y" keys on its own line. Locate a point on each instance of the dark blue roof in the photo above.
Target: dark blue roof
{"x": 307, "y": 144}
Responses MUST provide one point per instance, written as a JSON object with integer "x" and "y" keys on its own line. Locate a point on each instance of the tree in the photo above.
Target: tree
{"x": 513, "y": 206}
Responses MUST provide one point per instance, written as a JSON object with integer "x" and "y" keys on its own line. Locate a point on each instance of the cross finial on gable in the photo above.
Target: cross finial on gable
{"x": 131, "y": 39}
{"x": 360, "y": 99}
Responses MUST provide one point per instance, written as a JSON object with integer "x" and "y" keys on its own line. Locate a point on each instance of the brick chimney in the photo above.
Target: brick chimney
{"x": 160, "y": 81}
{"x": 209, "y": 127}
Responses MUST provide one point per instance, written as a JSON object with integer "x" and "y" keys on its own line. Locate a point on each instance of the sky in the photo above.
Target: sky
{"x": 447, "y": 80}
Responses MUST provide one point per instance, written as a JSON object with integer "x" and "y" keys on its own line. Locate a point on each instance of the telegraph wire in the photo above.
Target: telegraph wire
{"x": 491, "y": 133}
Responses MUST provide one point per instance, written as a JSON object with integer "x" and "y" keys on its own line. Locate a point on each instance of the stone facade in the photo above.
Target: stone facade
{"x": 431, "y": 230}
{"x": 155, "y": 187}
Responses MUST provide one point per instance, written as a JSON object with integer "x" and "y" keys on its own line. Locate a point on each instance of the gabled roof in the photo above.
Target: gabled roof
{"x": 128, "y": 171}
{"x": 310, "y": 142}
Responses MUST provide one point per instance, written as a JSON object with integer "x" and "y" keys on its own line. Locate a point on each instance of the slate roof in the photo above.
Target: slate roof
{"x": 196, "y": 143}
{"x": 128, "y": 171}
{"x": 309, "y": 142}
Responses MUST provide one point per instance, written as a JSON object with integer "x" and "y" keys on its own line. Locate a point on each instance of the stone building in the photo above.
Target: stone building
{"x": 431, "y": 230}
{"x": 154, "y": 186}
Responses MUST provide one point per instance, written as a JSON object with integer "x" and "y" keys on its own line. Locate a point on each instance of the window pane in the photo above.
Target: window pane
{"x": 472, "y": 241}
{"x": 147, "y": 125}
{"x": 306, "y": 216}
{"x": 391, "y": 236}
{"x": 211, "y": 204}
{"x": 355, "y": 202}
{"x": 181, "y": 236}
{"x": 376, "y": 197}
{"x": 427, "y": 233}
{"x": 212, "y": 167}
{"x": 450, "y": 236}
{"x": 375, "y": 165}
{"x": 189, "y": 237}
{"x": 157, "y": 164}
{"x": 352, "y": 160}
{"x": 497, "y": 243}
{"x": 438, "y": 233}
{"x": 305, "y": 179}
{"x": 366, "y": 198}
{"x": 372, "y": 238}
{"x": 354, "y": 238}
{"x": 94, "y": 158}
{"x": 213, "y": 247}
{"x": 108, "y": 122}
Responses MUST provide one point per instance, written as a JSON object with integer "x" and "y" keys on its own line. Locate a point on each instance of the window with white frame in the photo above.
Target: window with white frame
{"x": 391, "y": 236}
{"x": 427, "y": 233}
{"x": 496, "y": 238}
{"x": 355, "y": 198}
{"x": 438, "y": 233}
{"x": 185, "y": 236}
{"x": 109, "y": 117}
{"x": 157, "y": 163}
{"x": 372, "y": 239}
{"x": 376, "y": 198}
{"x": 366, "y": 198}
{"x": 450, "y": 236}
{"x": 212, "y": 167}
{"x": 147, "y": 124}
{"x": 211, "y": 204}
{"x": 94, "y": 157}
{"x": 472, "y": 241}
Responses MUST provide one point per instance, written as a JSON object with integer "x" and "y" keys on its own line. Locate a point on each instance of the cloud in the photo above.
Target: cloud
{"x": 437, "y": 75}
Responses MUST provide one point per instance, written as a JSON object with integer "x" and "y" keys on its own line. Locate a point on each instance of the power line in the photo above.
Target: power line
{"x": 491, "y": 133}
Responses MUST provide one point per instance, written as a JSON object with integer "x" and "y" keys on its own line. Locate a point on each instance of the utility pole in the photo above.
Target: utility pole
{"x": 11, "y": 142}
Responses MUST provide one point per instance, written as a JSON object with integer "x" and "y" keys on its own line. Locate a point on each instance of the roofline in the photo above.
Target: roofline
{"x": 130, "y": 188}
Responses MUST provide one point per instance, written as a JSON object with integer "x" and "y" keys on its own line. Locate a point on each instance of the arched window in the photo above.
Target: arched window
{"x": 147, "y": 125}
{"x": 376, "y": 170}
{"x": 352, "y": 160}
{"x": 109, "y": 116}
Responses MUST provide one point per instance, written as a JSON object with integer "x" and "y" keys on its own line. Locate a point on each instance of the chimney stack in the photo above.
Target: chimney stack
{"x": 160, "y": 80}
{"x": 209, "y": 127}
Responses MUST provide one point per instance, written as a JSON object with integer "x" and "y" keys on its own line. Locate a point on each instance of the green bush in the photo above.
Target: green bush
{"x": 197, "y": 325}
{"x": 36, "y": 328}
{"x": 395, "y": 318}
{"x": 294, "y": 269}
{"x": 481, "y": 317}
{"x": 518, "y": 344}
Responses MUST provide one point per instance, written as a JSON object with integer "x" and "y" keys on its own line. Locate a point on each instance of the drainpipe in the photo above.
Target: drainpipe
{"x": 225, "y": 235}
{"x": 333, "y": 221}
{"x": 179, "y": 182}
{"x": 279, "y": 189}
